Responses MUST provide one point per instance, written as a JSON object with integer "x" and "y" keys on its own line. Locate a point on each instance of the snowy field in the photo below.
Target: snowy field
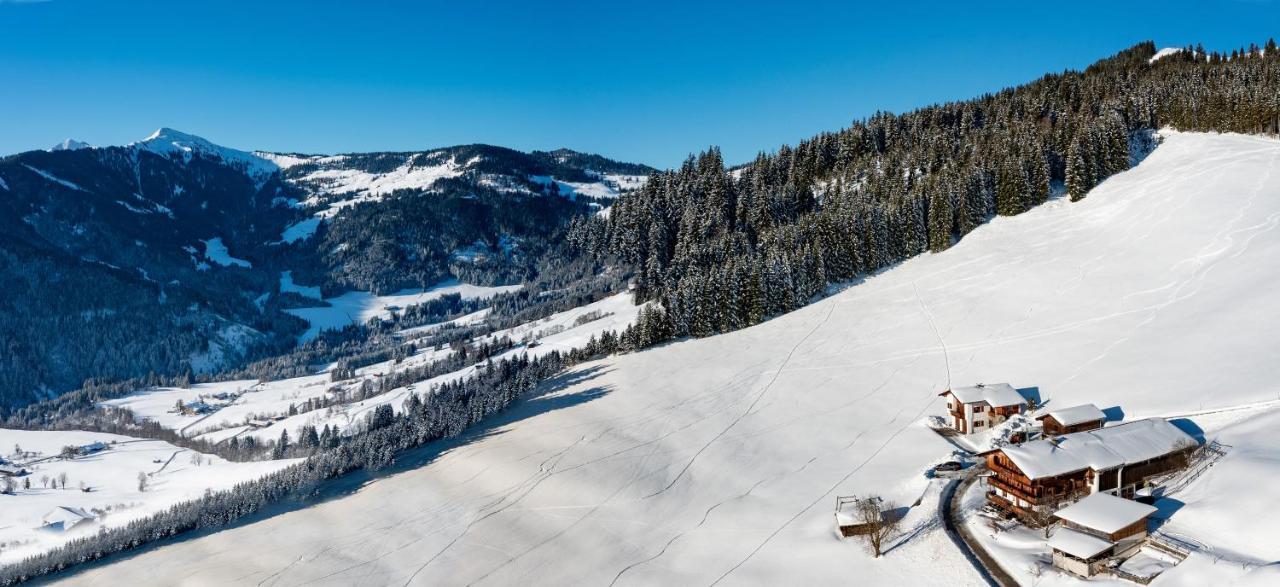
{"x": 111, "y": 477}
{"x": 358, "y": 307}
{"x": 234, "y": 404}
{"x": 717, "y": 461}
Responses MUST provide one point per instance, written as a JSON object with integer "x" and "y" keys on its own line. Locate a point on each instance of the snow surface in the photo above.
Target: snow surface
{"x": 301, "y": 230}
{"x": 112, "y": 476}
{"x": 359, "y": 307}
{"x": 1078, "y": 544}
{"x": 1105, "y": 448}
{"x": 996, "y": 395}
{"x": 1076, "y": 415}
{"x": 716, "y": 461}
{"x": 288, "y": 285}
{"x": 167, "y": 142}
{"x": 216, "y": 251}
{"x": 51, "y": 177}
{"x": 70, "y": 145}
{"x": 1105, "y": 512}
{"x": 562, "y": 331}
{"x": 1165, "y": 52}
{"x": 420, "y": 171}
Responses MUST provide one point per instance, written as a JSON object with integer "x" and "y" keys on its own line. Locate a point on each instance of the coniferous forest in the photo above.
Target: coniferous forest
{"x": 721, "y": 248}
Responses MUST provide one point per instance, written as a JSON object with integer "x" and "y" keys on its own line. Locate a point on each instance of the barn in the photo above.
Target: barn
{"x": 1032, "y": 478}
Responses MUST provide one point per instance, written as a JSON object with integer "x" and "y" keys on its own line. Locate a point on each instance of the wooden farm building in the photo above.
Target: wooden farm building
{"x": 978, "y": 408}
{"x": 1073, "y": 419}
{"x": 1097, "y": 528}
{"x": 1034, "y": 478}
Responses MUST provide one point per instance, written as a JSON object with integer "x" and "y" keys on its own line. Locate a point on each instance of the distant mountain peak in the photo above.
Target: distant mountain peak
{"x": 168, "y": 142}
{"x": 70, "y": 145}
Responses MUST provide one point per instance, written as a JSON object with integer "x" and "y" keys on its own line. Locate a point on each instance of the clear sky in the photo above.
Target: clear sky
{"x": 638, "y": 81}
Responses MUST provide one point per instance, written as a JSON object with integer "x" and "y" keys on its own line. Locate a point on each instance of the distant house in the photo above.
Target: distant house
{"x": 64, "y": 518}
{"x": 91, "y": 448}
{"x": 978, "y": 408}
{"x": 196, "y": 408}
{"x": 1034, "y": 477}
{"x": 1073, "y": 419}
{"x": 1098, "y": 528}
{"x": 12, "y": 471}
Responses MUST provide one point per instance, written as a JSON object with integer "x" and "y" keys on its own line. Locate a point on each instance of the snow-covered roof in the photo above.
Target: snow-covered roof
{"x": 1076, "y": 415}
{"x": 1105, "y": 448}
{"x": 1078, "y": 544}
{"x": 67, "y": 516}
{"x": 997, "y": 395}
{"x": 1105, "y": 512}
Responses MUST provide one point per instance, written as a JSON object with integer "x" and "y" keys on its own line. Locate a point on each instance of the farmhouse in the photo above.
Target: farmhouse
{"x": 1073, "y": 419}
{"x": 1097, "y": 528}
{"x": 978, "y": 408}
{"x": 1033, "y": 478}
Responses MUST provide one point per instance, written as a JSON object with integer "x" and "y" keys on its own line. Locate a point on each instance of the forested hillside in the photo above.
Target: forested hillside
{"x": 165, "y": 257}
{"x": 723, "y": 249}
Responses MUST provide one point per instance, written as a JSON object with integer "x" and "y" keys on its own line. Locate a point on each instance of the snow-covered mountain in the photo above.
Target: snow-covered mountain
{"x": 339, "y": 181}
{"x": 717, "y": 460}
{"x": 171, "y": 143}
{"x": 208, "y": 229}
{"x": 70, "y": 145}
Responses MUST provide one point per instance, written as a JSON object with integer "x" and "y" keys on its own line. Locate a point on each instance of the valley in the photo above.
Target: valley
{"x": 717, "y": 460}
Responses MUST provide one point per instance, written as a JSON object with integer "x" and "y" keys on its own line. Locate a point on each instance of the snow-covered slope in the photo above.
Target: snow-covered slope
{"x": 104, "y": 483}
{"x": 168, "y": 143}
{"x": 1165, "y": 52}
{"x": 70, "y": 145}
{"x": 716, "y": 461}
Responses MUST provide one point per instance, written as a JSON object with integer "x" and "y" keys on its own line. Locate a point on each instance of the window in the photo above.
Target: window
{"x": 979, "y": 424}
{"x": 977, "y": 408}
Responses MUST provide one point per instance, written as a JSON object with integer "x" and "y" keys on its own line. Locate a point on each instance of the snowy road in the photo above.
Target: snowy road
{"x": 716, "y": 461}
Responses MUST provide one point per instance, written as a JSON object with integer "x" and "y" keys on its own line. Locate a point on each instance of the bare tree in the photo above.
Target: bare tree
{"x": 880, "y": 519}
{"x": 1042, "y": 515}
{"x": 62, "y": 479}
{"x": 6, "y": 486}
{"x": 1186, "y": 452}
{"x": 44, "y": 480}
{"x": 142, "y": 481}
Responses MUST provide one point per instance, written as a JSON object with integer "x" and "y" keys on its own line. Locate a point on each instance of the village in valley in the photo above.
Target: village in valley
{"x": 1074, "y": 490}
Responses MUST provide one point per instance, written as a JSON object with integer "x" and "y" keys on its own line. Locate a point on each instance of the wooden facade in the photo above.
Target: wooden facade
{"x": 1052, "y": 427}
{"x": 1014, "y": 493}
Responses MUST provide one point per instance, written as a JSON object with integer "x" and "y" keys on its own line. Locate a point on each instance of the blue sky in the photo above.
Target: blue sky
{"x": 638, "y": 81}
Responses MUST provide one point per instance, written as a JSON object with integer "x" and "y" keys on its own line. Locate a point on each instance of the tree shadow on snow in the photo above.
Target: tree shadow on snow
{"x": 548, "y": 397}
{"x": 925, "y": 526}
{"x": 1032, "y": 395}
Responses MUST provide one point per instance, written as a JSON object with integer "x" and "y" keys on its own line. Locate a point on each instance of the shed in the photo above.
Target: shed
{"x": 1072, "y": 419}
{"x": 1107, "y": 516}
{"x": 1079, "y": 553}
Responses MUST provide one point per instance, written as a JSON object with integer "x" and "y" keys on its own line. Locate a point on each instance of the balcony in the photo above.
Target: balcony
{"x": 1023, "y": 492}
